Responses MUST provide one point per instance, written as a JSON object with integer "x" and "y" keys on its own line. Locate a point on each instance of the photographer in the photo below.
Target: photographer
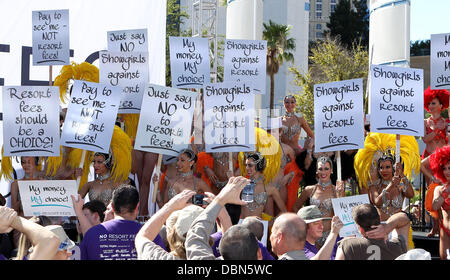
{"x": 178, "y": 214}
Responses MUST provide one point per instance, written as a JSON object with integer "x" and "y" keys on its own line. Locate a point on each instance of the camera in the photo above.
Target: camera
{"x": 248, "y": 192}
{"x": 197, "y": 199}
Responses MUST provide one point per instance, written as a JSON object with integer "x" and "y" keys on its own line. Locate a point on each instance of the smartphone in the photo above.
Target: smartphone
{"x": 248, "y": 192}
{"x": 197, "y": 199}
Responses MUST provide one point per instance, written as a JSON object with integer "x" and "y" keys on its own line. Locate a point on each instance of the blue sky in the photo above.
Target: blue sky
{"x": 429, "y": 17}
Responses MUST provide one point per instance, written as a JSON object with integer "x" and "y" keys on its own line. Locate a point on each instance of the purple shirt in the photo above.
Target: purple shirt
{"x": 311, "y": 250}
{"x": 112, "y": 240}
{"x": 215, "y": 247}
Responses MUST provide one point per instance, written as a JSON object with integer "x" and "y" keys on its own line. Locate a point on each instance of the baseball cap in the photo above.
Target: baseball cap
{"x": 311, "y": 214}
{"x": 66, "y": 243}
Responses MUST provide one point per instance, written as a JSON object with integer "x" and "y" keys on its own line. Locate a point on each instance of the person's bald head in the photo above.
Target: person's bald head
{"x": 292, "y": 226}
{"x": 288, "y": 233}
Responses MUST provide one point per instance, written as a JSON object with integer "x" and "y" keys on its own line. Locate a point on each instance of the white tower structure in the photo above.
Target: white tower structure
{"x": 389, "y": 32}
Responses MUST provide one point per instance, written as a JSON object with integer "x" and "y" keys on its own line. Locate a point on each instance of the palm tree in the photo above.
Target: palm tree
{"x": 279, "y": 48}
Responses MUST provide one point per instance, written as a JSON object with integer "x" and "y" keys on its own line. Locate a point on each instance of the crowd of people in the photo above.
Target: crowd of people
{"x": 201, "y": 214}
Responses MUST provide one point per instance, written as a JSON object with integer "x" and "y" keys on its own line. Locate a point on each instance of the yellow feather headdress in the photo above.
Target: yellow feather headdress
{"x": 7, "y": 168}
{"x": 270, "y": 148}
{"x": 131, "y": 123}
{"x": 120, "y": 149}
{"x": 377, "y": 144}
{"x": 83, "y": 71}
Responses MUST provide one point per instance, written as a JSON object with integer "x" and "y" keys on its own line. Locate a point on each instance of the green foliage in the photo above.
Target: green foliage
{"x": 350, "y": 25}
{"x": 175, "y": 17}
{"x": 279, "y": 49}
{"x": 330, "y": 62}
{"x": 419, "y": 48}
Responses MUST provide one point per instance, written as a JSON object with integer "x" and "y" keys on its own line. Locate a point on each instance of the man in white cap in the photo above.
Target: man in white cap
{"x": 66, "y": 244}
{"x": 314, "y": 230}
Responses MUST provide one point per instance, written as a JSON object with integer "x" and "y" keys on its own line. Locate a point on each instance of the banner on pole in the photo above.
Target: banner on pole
{"x": 51, "y": 37}
{"x": 31, "y": 121}
{"x": 396, "y": 100}
{"x": 339, "y": 116}
{"x": 440, "y": 61}
{"x": 91, "y": 116}
{"x": 189, "y": 62}
{"x": 245, "y": 61}
{"x": 165, "y": 121}
{"x": 129, "y": 72}
{"x": 229, "y": 117}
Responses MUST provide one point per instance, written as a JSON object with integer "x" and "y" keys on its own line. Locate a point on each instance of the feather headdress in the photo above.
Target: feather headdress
{"x": 120, "y": 149}
{"x": 83, "y": 71}
{"x": 270, "y": 148}
{"x": 379, "y": 144}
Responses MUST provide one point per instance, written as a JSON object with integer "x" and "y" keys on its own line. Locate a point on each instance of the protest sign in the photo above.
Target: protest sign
{"x": 128, "y": 72}
{"x": 343, "y": 207}
{"x": 396, "y": 100}
{"x": 135, "y": 40}
{"x": 189, "y": 62}
{"x": 229, "y": 117}
{"x": 440, "y": 61}
{"x": 31, "y": 121}
{"x": 165, "y": 121}
{"x": 339, "y": 116}
{"x": 51, "y": 37}
{"x": 245, "y": 60}
{"x": 47, "y": 198}
{"x": 91, "y": 116}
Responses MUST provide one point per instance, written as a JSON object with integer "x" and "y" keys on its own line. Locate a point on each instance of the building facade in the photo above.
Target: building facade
{"x": 319, "y": 16}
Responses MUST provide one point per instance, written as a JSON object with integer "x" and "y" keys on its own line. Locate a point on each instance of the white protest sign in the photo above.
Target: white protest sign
{"x": 127, "y": 71}
{"x": 339, "y": 116}
{"x": 229, "y": 117}
{"x": 245, "y": 60}
{"x": 440, "y": 61}
{"x": 165, "y": 121}
{"x": 51, "y": 37}
{"x": 189, "y": 62}
{"x": 47, "y": 198}
{"x": 396, "y": 100}
{"x": 91, "y": 116}
{"x": 31, "y": 121}
{"x": 135, "y": 40}
{"x": 343, "y": 207}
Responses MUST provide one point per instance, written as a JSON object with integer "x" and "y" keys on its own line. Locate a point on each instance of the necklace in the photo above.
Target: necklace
{"x": 257, "y": 180}
{"x": 289, "y": 114}
{"x": 103, "y": 177}
{"x": 386, "y": 182}
{"x": 323, "y": 186}
{"x": 186, "y": 174}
